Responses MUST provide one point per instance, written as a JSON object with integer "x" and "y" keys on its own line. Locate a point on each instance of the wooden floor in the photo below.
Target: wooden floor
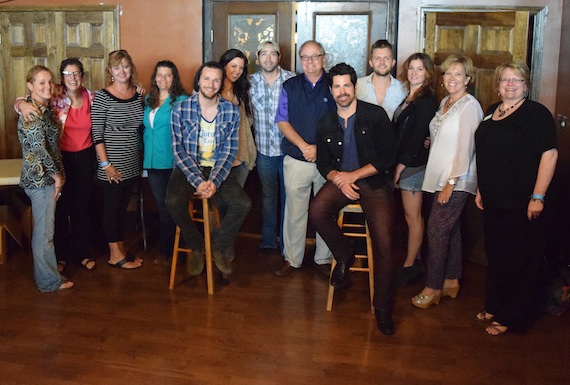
{"x": 127, "y": 327}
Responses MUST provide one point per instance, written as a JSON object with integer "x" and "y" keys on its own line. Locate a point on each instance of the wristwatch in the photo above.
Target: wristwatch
{"x": 452, "y": 182}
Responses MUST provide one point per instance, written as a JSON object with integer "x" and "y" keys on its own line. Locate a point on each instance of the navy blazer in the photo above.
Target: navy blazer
{"x": 375, "y": 142}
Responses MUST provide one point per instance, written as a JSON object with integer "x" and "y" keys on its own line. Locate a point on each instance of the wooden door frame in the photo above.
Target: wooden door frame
{"x": 538, "y": 14}
{"x": 207, "y": 50}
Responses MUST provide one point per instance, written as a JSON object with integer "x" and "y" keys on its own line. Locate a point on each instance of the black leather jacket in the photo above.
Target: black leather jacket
{"x": 375, "y": 141}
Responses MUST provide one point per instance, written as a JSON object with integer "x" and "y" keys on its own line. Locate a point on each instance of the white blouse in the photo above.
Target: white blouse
{"x": 452, "y": 149}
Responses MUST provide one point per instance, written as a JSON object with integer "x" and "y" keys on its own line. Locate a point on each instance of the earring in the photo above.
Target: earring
{"x": 442, "y": 85}
{"x": 112, "y": 78}
{"x": 498, "y": 94}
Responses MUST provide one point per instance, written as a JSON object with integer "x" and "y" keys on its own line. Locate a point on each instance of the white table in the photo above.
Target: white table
{"x": 10, "y": 170}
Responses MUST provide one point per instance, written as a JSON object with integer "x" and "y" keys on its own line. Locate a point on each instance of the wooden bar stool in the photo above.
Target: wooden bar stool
{"x": 201, "y": 216}
{"x": 355, "y": 229}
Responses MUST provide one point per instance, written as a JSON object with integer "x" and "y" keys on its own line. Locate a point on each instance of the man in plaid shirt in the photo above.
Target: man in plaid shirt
{"x": 205, "y": 142}
{"x": 265, "y": 89}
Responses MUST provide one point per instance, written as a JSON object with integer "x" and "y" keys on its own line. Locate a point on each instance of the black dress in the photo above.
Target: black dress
{"x": 508, "y": 154}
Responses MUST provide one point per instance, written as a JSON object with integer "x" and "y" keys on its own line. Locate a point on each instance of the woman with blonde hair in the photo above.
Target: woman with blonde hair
{"x": 117, "y": 115}
{"x": 516, "y": 159}
{"x": 42, "y": 177}
{"x": 451, "y": 177}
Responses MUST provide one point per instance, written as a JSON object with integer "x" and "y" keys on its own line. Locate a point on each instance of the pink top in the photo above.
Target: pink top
{"x": 76, "y": 134}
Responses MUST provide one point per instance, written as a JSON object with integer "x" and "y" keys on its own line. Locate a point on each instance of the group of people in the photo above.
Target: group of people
{"x": 332, "y": 135}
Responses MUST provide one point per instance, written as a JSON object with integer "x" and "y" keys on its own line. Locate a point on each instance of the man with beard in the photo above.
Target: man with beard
{"x": 205, "y": 142}
{"x": 265, "y": 89}
{"x": 356, "y": 149}
{"x": 380, "y": 87}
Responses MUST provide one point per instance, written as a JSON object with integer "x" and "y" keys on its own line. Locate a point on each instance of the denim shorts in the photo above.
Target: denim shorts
{"x": 413, "y": 182}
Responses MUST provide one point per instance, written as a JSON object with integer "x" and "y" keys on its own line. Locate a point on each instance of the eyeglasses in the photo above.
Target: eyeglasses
{"x": 69, "y": 74}
{"x": 311, "y": 57}
{"x": 513, "y": 80}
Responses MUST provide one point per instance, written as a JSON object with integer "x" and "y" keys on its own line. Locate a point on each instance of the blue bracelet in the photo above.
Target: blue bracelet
{"x": 537, "y": 196}
{"x": 103, "y": 164}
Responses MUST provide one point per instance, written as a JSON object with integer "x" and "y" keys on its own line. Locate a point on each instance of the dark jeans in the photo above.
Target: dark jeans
{"x": 378, "y": 207}
{"x": 72, "y": 215}
{"x": 158, "y": 181}
{"x": 238, "y": 204}
{"x": 270, "y": 170}
{"x": 116, "y": 199}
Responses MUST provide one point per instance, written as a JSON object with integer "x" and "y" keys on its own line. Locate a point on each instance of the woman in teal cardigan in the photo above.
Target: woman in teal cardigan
{"x": 165, "y": 91}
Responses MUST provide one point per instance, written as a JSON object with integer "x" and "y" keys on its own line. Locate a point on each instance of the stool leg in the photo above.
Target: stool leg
{"x": 174, "y": 258}
{"x": 330, "y": 295}
{"x": 208, "y": 246}
{"x": 370, "y": 253}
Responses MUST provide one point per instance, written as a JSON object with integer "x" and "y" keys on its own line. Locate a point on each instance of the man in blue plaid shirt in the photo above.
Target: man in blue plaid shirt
{"x": 205, "y": 142}
{"x": 265, "y": 89}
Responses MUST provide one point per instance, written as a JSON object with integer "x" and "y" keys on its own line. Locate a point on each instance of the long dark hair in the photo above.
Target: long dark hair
{"x": 429, "y": 68}
{"x": 176, "y": 89}
{"x": 242, "y": 85}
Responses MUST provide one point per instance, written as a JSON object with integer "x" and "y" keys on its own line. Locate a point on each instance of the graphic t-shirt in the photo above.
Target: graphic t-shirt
{"x": 207, "y": 142}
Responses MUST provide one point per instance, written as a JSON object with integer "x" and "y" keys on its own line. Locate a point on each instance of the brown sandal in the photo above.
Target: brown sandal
{"x": 496, "y": 329}
{"x": 484, "y": 316}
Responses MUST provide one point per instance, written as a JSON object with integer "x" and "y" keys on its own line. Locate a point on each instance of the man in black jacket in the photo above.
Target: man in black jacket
{"x": 356, "y": 150}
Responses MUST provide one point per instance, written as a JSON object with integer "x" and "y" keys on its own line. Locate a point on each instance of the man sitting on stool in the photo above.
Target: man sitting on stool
{"x": 205, "y": 142}
{"x": 356, "y": 149}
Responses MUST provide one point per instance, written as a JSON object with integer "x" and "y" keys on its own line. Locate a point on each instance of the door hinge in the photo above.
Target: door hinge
{"x": 113, "y": 40}
{"x": 211, "y": 36}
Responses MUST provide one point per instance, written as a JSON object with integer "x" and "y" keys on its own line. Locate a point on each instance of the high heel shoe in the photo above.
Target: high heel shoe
{"x": 450, "y": 292}
{"x": 424, "y": 301}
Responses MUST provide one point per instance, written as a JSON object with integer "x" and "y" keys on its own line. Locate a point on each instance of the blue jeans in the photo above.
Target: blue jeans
{"x": 45, "y": 264}
{"x": 238, "y": 204}
{"x": 158, "y": 181}
{"x": 270, "y": 170}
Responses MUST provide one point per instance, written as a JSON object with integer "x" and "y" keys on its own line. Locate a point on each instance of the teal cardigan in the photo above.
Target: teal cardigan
{"x": 158, "y": 153}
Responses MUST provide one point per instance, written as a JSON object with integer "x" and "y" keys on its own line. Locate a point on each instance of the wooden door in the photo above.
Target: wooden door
{"x": 346, "y": 29}
{"x": 30, "y": 36}
{"x": 243, "y": 25}
{"x": 488, "y": 38}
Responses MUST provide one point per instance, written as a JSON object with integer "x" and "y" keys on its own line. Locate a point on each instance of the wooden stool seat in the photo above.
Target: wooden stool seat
{"x": 356, "y": 229}
{"x": 201, "y": 216}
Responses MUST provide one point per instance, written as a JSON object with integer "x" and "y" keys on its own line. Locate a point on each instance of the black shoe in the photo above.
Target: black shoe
{"x": 339, "y": 276}
{"x": 324, "y": 270}
{"x": 409, "y": 274}
{"x": 384, "y": 322}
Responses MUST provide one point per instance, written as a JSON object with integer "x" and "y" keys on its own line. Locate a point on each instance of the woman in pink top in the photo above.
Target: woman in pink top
{"x": 72, "y": 220}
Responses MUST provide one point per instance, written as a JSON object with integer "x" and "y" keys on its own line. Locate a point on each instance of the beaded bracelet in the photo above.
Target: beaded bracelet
{"x": 106, "y": 166}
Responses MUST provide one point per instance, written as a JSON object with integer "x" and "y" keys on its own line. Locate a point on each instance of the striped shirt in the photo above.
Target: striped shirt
{"x": 264, "y": 100}
{"x": 117, "y": 124}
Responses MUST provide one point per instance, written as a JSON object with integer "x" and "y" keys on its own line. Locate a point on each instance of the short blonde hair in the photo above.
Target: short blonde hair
{"x": 115, "y": 58}
{"x": 519, "y": 68}
{"x": 464, "y": 60}
{"x": 32, "y": 73}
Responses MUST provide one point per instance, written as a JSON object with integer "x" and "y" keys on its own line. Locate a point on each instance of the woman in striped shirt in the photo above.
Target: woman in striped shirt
{"x": 117, "y": 115}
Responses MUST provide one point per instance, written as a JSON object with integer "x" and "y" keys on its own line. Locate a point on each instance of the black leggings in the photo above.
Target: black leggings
{"x": 116, "y": 199}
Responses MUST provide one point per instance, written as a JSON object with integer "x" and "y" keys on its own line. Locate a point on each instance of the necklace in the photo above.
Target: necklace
{"x": 451, "y": 103}
{"x": 503, "y": 112}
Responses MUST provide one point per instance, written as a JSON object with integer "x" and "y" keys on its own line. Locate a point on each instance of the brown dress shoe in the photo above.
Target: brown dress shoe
{"x": 284, "y": 269}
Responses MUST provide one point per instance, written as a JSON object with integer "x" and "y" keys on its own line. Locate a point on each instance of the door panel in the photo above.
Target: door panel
{"x": 243, "y": 25}
{"x": 31, "y": 37}
{"x": 488, "y": 38}
{"x": 345, "y": 29}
